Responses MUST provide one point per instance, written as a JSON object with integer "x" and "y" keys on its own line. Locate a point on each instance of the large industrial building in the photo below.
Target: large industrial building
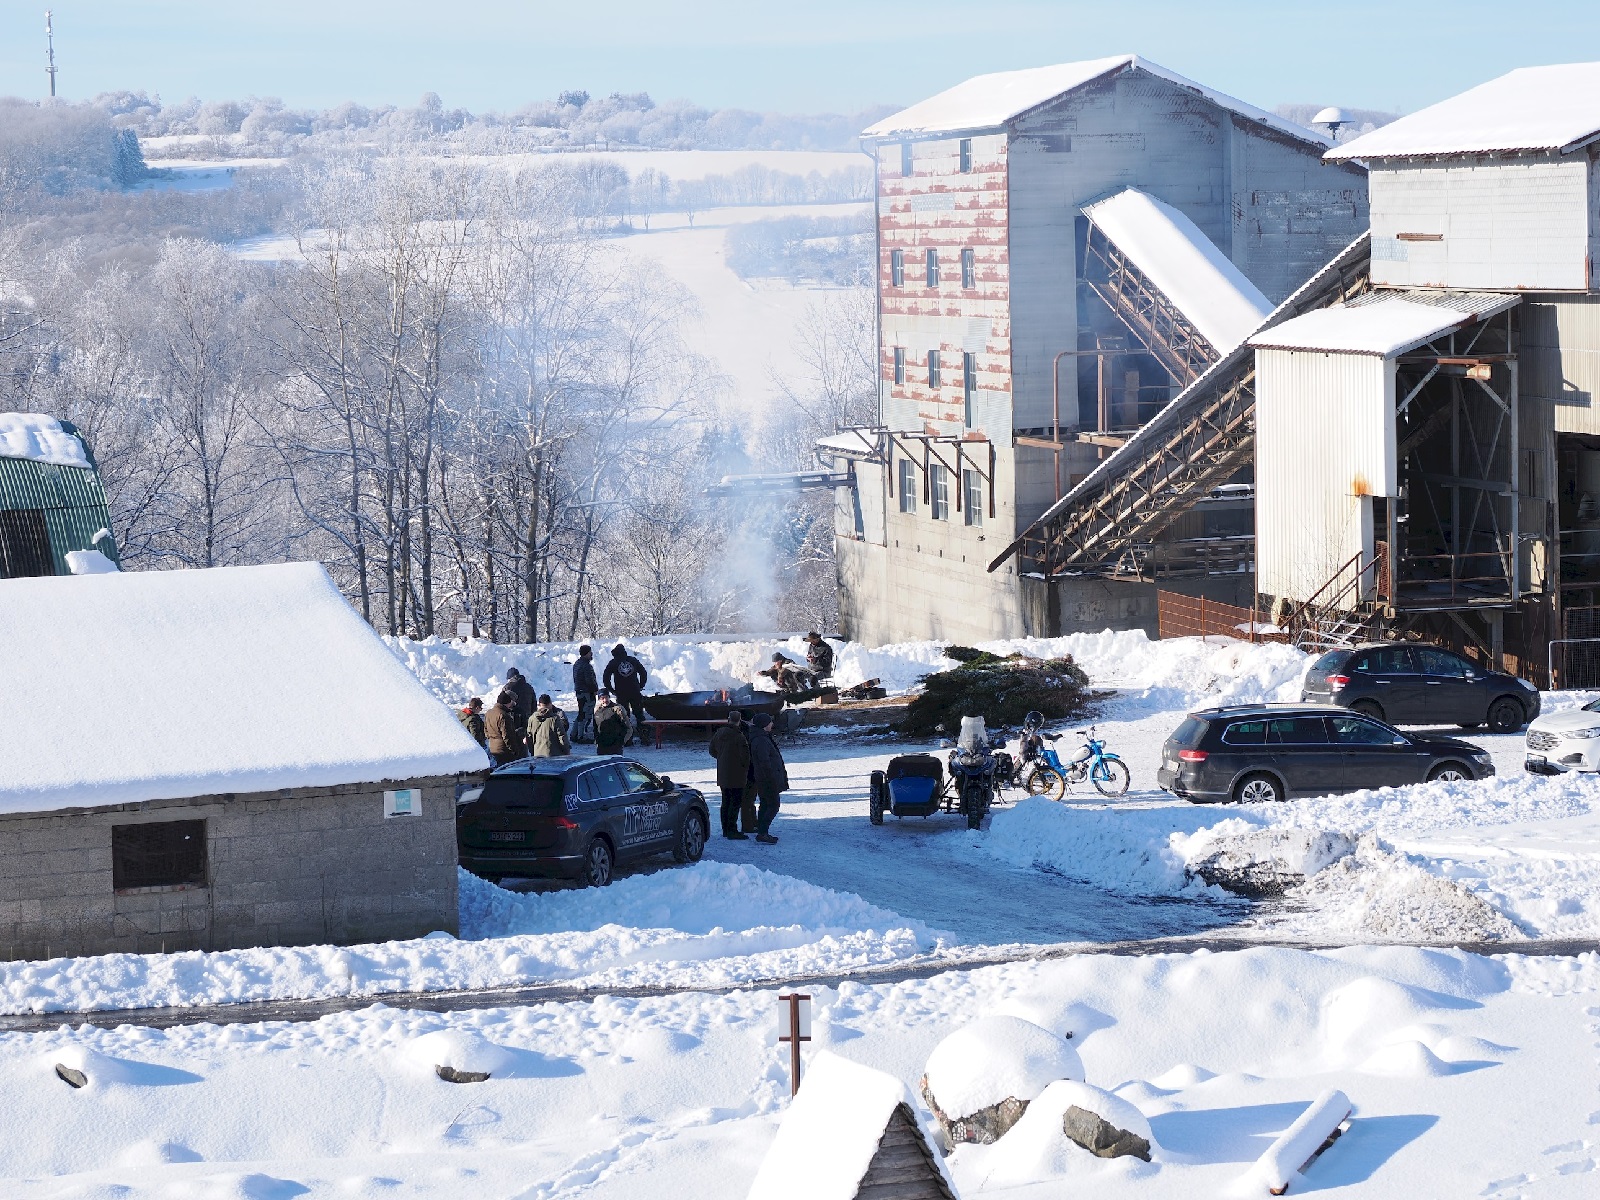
{"x": 1260, "y": 400}
{"x": 1026, "y": 225}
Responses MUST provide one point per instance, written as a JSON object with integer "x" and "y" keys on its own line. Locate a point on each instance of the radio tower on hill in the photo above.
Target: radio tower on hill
{"x": 49, "y": 53}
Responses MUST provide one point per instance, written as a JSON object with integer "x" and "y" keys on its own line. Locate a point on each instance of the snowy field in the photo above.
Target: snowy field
{"x": 1441, "y": 1051}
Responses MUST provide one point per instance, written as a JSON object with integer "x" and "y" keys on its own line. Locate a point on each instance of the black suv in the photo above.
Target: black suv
{"x": 1257, "y": 753}
{"x": 576, "y": 818}
{"x": 1411, "y": 684}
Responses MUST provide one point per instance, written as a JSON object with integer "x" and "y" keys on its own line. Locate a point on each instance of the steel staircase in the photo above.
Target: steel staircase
{"x": 1194, "y": 445}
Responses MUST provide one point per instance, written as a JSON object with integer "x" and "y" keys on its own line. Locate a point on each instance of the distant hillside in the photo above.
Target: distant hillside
{"x": 56, "y": 148}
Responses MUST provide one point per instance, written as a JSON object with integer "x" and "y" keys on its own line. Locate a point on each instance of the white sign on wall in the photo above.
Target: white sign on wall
{"x": 464, "y": 630}
{"x": 406, "y": 802}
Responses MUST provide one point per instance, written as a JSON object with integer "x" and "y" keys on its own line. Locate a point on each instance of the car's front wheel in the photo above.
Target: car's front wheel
{"x": 691, "y": 838}
{"x": 1449, "y": 773}
{"x": 1506, "y": 715}
{"x": 597, "y": 864}
{"x": 1258, "y": 789}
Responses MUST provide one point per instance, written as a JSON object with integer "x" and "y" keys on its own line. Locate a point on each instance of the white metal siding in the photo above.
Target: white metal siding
{"x": 1324, "y": 442}
{"x": 870, "y": 495}
{"x": 1561, "y": 359}
{"x": 1520, "y": 225}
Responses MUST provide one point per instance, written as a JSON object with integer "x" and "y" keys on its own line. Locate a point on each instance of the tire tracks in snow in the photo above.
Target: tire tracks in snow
{"x": 524, "y": 995}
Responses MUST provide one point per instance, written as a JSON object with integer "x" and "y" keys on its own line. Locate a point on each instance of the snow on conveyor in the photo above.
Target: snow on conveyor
{"x": 1385, "y": 327}
{"x": 1188, "y": 268}
{"x": 122, "y": 688}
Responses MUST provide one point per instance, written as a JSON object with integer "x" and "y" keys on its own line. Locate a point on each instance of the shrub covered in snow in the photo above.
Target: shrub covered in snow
{"x": 1000, "y": 690}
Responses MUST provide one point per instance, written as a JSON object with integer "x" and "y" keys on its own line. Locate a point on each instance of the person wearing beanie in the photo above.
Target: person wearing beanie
{"x": 504, "y": 731}
{"x": 730, "y": 746}
{"x": 771, "y": 775}
{"x": 585, "y": 687}
{"x": 625, "y": 678}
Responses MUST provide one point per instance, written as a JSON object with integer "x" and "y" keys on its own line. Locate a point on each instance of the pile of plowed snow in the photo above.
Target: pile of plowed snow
{"x": 1153, "y": 676}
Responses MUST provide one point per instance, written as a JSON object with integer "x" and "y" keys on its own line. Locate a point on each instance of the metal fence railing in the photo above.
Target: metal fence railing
{"x": 1575, "y": 663}
{"x": 1178, "y": 615}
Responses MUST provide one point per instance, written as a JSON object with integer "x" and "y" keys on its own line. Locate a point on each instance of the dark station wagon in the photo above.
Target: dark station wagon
{"x": 1259, "y": 753}
{"x": 1407, "y": 683}
{"x": 576, "y": 818}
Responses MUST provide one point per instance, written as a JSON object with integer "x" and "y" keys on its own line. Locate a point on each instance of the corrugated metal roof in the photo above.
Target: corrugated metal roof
{"x": 1383, "y": 323}
{"x": 989, "y": 101}
{"x": 1533, "y": 108}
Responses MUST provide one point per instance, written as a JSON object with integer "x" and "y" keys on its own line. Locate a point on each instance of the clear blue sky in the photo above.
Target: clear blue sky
{"x": 801, "y": 55}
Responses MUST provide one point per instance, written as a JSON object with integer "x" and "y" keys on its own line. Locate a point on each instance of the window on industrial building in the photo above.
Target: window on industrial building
{"x": 25, "y": 544}
{"x": 158, "y": 854}
{"x": 905, "y": 158}
{"x": 908, "y": 486}
{"x": 966, "y": 155}
{"x": 933, "y": 268}
{"x": 972, "y": 497}
{"x": 897, "y": 268}
{"x": 969, "y": 386}
{"x": 939, "y": 492}
{"x": 933, "y": 368}
{"x": 969, "y": 269}
{"x": 900, "y": 364}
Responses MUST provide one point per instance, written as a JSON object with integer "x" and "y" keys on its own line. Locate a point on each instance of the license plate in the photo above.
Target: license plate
{"x": 1537, "y": 758}
{"x": 508, "y": 837}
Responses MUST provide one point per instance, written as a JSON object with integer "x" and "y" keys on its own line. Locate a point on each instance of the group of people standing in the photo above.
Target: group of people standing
{"x": 519, "y": 725}
{"x": 751, "y": 775}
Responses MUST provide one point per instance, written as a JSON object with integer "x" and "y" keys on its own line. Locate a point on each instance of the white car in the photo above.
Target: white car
{"x": 1565, "y": 741}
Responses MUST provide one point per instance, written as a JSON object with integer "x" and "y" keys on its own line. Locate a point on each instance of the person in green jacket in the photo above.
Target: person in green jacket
{"x": 471, "y": 718}
{"x": 547, "y": 730}
{"x": 610, "y": 725}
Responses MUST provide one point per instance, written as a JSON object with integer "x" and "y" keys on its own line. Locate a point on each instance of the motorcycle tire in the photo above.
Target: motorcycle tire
{"x": 974, "y": 806}
{"x": 1042, "y": 781}
{"x": 1110, "y": 777}
{"x": 876, "y": 798}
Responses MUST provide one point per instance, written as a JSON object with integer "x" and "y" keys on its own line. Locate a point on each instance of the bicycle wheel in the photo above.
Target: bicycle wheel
{"x": 1042, "y": 781}
{"x": 1110, "y": 776}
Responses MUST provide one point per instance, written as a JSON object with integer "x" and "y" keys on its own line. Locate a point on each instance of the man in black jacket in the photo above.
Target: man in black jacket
{"x": 771, "y": 775}
{"x": 522, "y": 691}
{"x": 625, "y": 677}
{"x": 585, "y": 687}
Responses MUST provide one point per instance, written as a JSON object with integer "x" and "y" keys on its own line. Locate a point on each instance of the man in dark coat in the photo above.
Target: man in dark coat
{"x": 585, "y": 687}
{"x": 625, "y": 678}
{"x": 504, "y": 731}
{"x": 522, "y": 691}
{"x": 471, "y": 718}
{"x": 610, "y": 725}
{"x": 731, "y": 748}
{"x": 819, "y": 656}
{"x": 771, "y": 776}
{"x": 547, "y": 731}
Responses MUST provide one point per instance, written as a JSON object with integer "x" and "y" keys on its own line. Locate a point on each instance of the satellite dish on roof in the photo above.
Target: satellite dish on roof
{"x": 1332, "y": 117}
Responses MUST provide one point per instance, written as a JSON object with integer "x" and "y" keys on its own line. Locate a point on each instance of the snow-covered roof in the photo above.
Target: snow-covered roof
{"x": 1532, "y": 108}
{"x": 1382, "y": 325}
{"x": 40, "y": 438}
{"x": 166, "y": 684}
{"x": 849, "y": 443}
{"x": 831, "y": 1131}
{"x": 1180, "y": 260}
{"x": 989, "y": 101}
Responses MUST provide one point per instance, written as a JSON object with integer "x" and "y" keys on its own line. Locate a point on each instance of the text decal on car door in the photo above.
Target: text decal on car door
{"x": 643, "y": 821}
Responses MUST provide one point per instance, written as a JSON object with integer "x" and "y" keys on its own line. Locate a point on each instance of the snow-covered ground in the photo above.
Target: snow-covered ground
{"x": 1471, "y": 1075}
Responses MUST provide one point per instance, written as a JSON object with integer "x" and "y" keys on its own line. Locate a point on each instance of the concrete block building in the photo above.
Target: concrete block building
{"x": 1023, "y": 333}
{"x": 215, "y": 759}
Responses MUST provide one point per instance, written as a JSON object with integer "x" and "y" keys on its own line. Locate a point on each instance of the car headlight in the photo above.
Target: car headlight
{"x": 1593, "y": 732}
